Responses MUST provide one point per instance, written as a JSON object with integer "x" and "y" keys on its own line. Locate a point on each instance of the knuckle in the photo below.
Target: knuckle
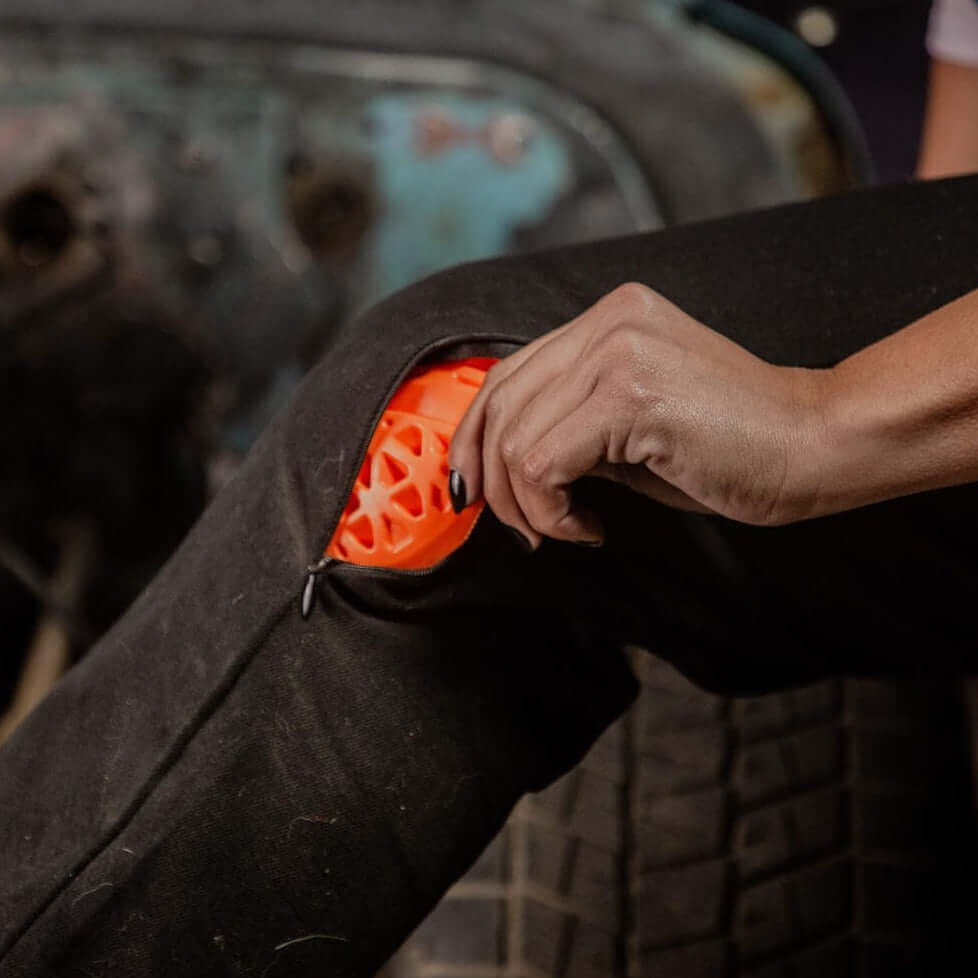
{"x": 633, "y": 297}
{"x": 532, "y": 468}
{"x": 509, "y": 448}
{"x": 620, "y": 345}
{"x": 494, "y": 406}
{"x": 498, "y": 400}
{"x": 630, "y": 339}
{"x": 495, "y": 374}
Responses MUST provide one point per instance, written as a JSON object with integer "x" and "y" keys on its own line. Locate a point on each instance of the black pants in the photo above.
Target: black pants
{"x": 222, "y": 788}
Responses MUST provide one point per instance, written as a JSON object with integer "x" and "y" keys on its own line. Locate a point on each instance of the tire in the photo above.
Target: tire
{"x": 804, "y": 833}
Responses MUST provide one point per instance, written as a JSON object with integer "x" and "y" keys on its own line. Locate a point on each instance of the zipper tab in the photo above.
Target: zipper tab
{"x": 309, "y": 589}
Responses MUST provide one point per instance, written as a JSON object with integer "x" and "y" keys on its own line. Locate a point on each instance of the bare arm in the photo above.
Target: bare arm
{"x": 636, "y": 390}
{"x": 950, "y": 139}
{"x": 902, "y": 415}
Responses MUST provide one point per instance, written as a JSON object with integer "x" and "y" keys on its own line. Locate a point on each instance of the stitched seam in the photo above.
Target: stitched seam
{"x": 231, "y": 677}
{"x": 155, "y": 778}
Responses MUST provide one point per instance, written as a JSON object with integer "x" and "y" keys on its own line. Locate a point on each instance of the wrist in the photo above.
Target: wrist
{"x": 816, "y": 444}
{"x": 896, "y": 418}
{"x": 850, "y": 446}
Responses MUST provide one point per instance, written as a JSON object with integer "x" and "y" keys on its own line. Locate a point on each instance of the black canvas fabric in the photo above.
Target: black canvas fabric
{"x": 224, "y": 788}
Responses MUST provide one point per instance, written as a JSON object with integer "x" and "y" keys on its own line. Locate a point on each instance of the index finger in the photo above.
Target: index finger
{"x": 465, "y": 453}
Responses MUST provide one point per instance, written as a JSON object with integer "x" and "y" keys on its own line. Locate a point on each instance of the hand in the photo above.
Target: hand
{"x": 637, "y": 391}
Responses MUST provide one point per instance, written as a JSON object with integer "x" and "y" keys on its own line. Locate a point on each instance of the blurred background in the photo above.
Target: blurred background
{"x": 195, "y": 201}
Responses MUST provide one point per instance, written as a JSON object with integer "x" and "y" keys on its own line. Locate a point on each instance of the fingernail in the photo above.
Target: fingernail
{"x": 456, "y": 490}
{"x": 588, "y": 543}
{"x": 520, "y": 539}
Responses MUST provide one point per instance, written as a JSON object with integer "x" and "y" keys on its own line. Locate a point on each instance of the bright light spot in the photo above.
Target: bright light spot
{"x": 818, "y": 26}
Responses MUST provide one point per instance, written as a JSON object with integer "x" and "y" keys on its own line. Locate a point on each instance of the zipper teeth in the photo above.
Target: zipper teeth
{"x": 333, "y": 564}
{"x": 323, "y": 562}
{"x": 386, "y": 571}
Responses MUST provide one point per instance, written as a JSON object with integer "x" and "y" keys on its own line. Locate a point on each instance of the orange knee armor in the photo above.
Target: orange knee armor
{"x": 399, "y": 514}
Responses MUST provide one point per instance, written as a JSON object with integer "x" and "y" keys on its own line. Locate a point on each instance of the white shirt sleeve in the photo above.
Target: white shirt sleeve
{"x": 953, "y": 31}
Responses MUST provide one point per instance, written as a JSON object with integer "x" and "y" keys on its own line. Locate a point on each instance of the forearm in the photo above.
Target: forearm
{"x": 900, "y": 416}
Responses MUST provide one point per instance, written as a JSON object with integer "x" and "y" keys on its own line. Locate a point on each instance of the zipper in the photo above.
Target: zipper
{"x": 324, "y": 563}
{"x": 309, "y": 588}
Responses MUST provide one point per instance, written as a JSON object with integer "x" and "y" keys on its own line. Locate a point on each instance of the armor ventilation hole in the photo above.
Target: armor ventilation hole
{"x": 442, "y": 442}
{"x": 412, "y": 437}
{"x": 437, "y": 497}
{"x": 409, "y": 499}
{"x": 392, "y": 471}
{"x": 363, "y": 530}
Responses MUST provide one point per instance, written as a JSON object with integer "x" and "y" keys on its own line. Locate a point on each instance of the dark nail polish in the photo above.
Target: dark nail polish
{"x": 520, "y": 539}
{"x": 588, "y": 543}
{"x": 456, "y": 491}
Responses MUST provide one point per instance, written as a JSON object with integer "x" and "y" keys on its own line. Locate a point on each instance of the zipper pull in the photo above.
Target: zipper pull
{"x": 309, "y": 590}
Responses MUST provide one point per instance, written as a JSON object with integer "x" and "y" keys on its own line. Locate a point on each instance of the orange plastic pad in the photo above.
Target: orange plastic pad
{"x": 399, "y": 513}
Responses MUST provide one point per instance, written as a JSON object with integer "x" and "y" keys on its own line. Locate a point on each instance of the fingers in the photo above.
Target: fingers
{"x": 466, "y": 452}
{"x": 536, "y": 424}
{"x": 505, "y": 444}
{"x": 545, "y": 357}
{"x": 541, "y": 480}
